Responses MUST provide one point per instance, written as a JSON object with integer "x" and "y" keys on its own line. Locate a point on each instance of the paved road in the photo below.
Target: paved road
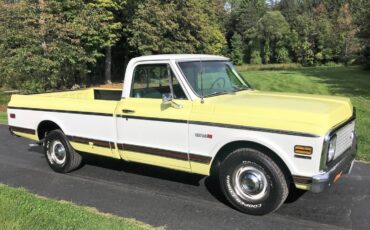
{"x": 178, "y": 200}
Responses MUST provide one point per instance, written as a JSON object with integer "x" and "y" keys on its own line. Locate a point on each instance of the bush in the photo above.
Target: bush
{"x": 253, "y": 67}
{"x": 256, "y": 57}
{"x": 282, "y": 55}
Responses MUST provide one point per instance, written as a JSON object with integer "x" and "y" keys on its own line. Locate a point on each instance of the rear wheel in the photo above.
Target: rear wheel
{"x": 252, "y": 182}
{"x": 59, "y": 154}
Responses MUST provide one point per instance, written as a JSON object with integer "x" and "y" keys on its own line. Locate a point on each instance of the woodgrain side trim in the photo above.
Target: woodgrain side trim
{"x": 166, "y": 153}
{"x": 87, "y": 141}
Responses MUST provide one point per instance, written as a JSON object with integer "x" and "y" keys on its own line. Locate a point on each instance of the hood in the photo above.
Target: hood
{"x": 282, "y": 111}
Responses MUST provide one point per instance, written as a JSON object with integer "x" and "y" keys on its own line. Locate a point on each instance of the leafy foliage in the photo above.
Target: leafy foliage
{"x": 56, "y": 44}
{"x": 47, "y": 45}
{"x": 312, "y": 32}
{"x": 364, "y": 34}
{"x": 237, "y": 49}
{"x": 176, "y": 27}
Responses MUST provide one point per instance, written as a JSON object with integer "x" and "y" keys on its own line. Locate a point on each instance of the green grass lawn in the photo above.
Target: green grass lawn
{"x": 342, "y": 81}
{"x": 20, "y": 209}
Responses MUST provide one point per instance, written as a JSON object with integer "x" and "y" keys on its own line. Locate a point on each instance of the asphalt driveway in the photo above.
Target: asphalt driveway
{"x": 178, "y": 200}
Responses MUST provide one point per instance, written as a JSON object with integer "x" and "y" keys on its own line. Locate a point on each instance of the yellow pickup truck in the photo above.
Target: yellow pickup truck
{"x": 196, "y": 113}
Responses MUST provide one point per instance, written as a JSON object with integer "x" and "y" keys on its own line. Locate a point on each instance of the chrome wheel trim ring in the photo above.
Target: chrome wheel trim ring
{"x": 57, "y": 153}
{"x": 250, "y": 183}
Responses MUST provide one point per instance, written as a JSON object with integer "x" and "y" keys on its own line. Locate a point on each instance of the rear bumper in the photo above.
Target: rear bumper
{"x": 325, "y": 180}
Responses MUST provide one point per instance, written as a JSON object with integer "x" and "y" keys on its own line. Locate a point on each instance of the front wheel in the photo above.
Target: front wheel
{"x": 252, "y": 182}
{"x": 59, "y": 154}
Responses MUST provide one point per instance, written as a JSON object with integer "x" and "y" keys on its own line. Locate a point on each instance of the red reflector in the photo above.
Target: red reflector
{"x": 12, "y": 115}
{"x": 209, "y": 136}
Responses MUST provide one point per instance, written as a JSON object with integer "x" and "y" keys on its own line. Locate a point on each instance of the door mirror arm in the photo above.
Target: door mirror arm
{"x": 167, "y": 98}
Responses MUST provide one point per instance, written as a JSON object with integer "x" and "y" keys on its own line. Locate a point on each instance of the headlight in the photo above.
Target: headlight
{"x": 331, "y": 149}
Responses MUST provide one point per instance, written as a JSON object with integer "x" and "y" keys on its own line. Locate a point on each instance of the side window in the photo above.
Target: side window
{"x": 152, "y": 81}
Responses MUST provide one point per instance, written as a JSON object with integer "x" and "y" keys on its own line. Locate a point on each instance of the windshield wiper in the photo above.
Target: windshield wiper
{"x": 237, "y": 89}
{"x": 220, "y": 93}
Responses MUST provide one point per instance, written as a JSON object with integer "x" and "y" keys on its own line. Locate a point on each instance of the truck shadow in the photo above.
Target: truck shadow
{"x": 210, "y": 183}
{"x": 133, "y": 168}
{"x": 142, "y": 169}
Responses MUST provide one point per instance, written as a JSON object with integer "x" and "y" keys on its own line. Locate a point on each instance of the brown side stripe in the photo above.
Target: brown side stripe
{"x": 99, "y": 143}
{"x": 22, "y": 130}
{"x": 302, "y": 180}
{"x": 166, "y": 153}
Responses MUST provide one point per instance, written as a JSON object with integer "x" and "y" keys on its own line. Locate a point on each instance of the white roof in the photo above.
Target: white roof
{"x": 177, "y": 57}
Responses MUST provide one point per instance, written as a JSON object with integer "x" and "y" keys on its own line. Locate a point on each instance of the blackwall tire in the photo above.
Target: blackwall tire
{"x": 60, "y": 155}
{"x": 252, "y": 182}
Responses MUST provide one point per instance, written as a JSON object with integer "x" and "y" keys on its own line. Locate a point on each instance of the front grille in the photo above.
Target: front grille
{"x": 345, "y": 137}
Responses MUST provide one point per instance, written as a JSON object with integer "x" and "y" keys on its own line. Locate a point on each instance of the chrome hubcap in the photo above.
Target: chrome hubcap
{"x": 57, "y": 152}
{"x": 250, "y": 183}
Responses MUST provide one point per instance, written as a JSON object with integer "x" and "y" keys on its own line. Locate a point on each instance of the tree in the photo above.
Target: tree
{"x": 110, "y": 7}
{"x": 50, "y": 44}
{"x": 271, "y": 29}
{"x": 256, "y": 57}
{"x": 241, "y": 18}
{"x": 315, "y": 43}
{"x": 176, "y": 27}
{"x": 245, "y": 14}
{"x": 237, "y": 49}
{"x": 364, "y": 33}
{"x": 347, "y": 31}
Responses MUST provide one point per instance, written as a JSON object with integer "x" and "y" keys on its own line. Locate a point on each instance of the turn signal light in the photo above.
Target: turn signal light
{"x": 306, "y": 150}
{"x": 338, "y": 176}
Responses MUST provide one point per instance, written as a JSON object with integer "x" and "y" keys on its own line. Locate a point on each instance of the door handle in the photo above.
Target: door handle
{"x": 128, "y": 111}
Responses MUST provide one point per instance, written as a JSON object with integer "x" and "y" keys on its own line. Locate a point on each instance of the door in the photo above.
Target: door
{"x": 152, "y": 131}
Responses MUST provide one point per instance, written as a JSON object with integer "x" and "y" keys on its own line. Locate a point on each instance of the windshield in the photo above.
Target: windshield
{"x": 208, "y": 78}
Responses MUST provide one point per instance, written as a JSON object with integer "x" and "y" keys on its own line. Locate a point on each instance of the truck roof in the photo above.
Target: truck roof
{"x": 177, "y": 57}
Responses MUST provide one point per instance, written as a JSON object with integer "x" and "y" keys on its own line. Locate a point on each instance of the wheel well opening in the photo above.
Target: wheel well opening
{"x": 45, "y": 127}
{"x": 228, "y": 148}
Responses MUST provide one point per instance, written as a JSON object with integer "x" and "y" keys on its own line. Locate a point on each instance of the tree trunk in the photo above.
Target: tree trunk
{"x": 108, "y": 65}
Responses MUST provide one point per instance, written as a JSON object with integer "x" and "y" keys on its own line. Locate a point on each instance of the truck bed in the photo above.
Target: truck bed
{"x": 92, "y": 100}
{"x": 73, "y": 111}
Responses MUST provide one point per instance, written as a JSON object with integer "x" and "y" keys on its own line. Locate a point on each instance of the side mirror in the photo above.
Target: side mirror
{"x": 167, "y": 98}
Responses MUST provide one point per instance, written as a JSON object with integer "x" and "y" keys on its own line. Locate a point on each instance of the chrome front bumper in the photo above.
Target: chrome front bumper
{"x": 339, "y": 167}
